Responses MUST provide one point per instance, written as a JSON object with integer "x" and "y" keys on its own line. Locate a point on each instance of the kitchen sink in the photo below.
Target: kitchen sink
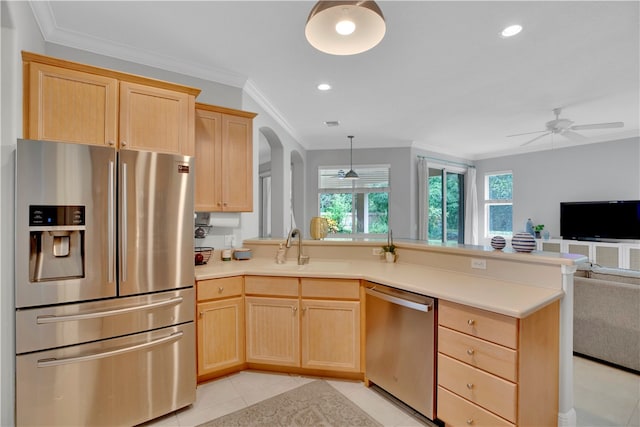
{"x": 313, "y": 265}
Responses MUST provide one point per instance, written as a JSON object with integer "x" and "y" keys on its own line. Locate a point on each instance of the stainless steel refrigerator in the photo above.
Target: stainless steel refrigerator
{"x": 104, "y": 287}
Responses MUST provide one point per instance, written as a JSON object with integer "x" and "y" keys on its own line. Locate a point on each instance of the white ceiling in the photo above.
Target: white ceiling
{"x": 442, "y": 78}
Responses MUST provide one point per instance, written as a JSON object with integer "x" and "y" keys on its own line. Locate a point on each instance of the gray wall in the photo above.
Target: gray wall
{"x": 402, "y": 181}
{"x": 541, "y": 180}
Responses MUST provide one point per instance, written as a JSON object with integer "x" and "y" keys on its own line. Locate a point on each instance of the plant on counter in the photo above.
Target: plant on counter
{"x": 537, "y": 229}
{"x": 389, "y": 247}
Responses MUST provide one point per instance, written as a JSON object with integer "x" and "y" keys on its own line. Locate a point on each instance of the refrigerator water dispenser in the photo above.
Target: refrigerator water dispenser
{"x": 56, "y": 242}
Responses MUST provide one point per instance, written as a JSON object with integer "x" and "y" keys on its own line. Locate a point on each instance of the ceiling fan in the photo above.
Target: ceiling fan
{"x": 566, "y": 128}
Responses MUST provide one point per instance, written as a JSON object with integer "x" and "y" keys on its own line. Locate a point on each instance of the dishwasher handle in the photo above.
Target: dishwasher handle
{"x": 400, "y": 301}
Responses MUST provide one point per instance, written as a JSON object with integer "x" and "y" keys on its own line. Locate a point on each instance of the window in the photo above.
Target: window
{"x": 498, "y": 202}
{"x": 446, "y": 205}
{"x": 355, "y": 207}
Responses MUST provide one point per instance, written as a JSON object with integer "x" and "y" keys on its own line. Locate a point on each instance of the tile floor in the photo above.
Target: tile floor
{"x": 604, "y": 396}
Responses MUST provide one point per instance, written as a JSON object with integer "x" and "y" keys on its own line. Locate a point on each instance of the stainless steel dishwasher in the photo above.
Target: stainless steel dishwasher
{"x": 400, "y": 349}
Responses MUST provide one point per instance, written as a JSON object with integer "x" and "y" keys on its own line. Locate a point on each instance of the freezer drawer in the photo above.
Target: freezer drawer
{"x": 117, "y": 382}
{"x": 62, "y": 325}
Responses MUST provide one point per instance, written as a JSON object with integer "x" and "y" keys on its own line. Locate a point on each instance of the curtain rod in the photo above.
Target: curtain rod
{"x": 447, "y": 161}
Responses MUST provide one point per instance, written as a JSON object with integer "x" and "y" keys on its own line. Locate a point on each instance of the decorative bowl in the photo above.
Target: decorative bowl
{"x": 523, "y": 242}
{"x": 498, "y": 242}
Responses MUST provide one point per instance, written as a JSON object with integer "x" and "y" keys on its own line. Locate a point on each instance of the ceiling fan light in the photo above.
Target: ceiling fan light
{"x": 329, "y": 23}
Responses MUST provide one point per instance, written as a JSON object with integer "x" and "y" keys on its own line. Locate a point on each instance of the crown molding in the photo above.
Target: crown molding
{"x": 252, "y": 90}
{"x": 52, "y": 34}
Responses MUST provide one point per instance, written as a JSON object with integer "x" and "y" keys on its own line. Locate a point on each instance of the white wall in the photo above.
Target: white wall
{"x": 19, "y": 32}
{"x": 541, "y": 180}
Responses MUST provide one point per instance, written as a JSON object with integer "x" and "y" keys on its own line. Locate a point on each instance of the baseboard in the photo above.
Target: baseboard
{"x": 604, "y": 362}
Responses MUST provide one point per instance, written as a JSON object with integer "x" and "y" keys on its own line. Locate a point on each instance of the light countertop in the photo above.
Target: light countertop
{"x": 512, "y": 299}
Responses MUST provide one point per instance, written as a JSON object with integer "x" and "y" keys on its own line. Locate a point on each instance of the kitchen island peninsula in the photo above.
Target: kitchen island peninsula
{"x": 505, "y": 320}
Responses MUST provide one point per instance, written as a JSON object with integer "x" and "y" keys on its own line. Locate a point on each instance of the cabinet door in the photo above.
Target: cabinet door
{"x": 220, "y": 335}
{"x": 208, "y": 162}
{"x": 273, "y": 331}
{"x": 331, "y": 335}
{"x": 70, "y": 106}
{"x": 237, "y": 164}
{"x": 156, "y": 119}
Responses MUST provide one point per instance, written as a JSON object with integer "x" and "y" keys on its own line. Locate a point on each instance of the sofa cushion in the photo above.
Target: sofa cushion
{"x": 606, "y": 322}
{"x": 616, "y": 275}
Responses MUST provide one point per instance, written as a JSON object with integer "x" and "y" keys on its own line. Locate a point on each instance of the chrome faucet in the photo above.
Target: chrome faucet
{"x": 302, "y": 259}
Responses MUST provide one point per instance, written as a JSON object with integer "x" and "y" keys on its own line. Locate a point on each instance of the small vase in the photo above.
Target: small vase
{"x": 390, "y": 257}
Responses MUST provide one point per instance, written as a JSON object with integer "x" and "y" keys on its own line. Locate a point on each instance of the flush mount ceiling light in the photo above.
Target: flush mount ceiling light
{"x": 345, "y": 27}
{"x": 324, "y": 86}
{"x": 511, "y": 30}
{"x": 351, "y": 174}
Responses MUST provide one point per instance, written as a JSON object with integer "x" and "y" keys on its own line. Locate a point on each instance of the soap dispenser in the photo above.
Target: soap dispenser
{"x": 280, "y": 255}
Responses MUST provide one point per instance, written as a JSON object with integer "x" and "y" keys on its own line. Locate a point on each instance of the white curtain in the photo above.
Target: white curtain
{"x": 423, "y": 198}
{"x": 471, "y": 208}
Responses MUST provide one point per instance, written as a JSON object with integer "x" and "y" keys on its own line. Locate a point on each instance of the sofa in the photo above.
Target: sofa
{"x": 606, "y": 315}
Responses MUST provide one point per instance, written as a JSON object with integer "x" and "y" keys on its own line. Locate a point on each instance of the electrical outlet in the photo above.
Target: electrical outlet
{"x": 479, "y": 263}
{"x": 376, "y": 251}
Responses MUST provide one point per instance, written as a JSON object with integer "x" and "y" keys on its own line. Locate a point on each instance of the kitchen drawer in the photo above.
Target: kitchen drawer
{"x": 271, "y": 285}
{"x": 219, "y": 288}
{"x": 489, "y": 326}
{"x": 330, "y": 288}
{"x": 496, "y": 359}
{"x": 455, "y": 411}
{"x": 492, "y": 393}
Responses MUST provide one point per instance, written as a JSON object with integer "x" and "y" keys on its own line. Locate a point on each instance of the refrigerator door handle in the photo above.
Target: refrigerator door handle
{"x": 97, "y": 314}
{"x": 123, "y": 214}
{"x": 111, "y": 224}
{"x": 44, "y": 363}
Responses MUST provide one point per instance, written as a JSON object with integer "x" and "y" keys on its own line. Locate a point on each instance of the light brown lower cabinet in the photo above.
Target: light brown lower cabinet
{"x": 221, "y": 326}
{"x": 306, "y": 323}
{"x": 497, "y": 370}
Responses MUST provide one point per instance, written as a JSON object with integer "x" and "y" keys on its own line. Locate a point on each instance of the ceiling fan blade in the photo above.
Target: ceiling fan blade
{"x": 598, "y": 126}
{"x": 535, "y": 139}
{"x": 575, "y": 137}
{"x": 527, "y": 133}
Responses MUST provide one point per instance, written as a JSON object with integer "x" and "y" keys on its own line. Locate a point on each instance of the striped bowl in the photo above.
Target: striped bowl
{"x": 523, "y": 242}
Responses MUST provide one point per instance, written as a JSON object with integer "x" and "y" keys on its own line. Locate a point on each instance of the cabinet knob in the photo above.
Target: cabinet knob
{"x": 294, "y": 308}
{"x": 304, "y": 309}
{"x": 220, "y": 289}
{"x": 471, "y": 322}
{"x": 201, "y": 314}
{"x": 224, "y": 204}
{"x": 123, "y": 143}
{"x": 470, "y": 421}
{"x": 469, "y": 386}
{"x": 111, "y": 142}
{"x": 471, "y": 352}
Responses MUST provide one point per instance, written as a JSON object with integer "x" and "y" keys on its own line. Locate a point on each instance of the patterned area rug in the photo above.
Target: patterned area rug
{"x": 313, "y": 404}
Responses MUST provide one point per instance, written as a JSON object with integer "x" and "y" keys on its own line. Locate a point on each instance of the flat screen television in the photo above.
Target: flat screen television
{"x": 604, "y": 220}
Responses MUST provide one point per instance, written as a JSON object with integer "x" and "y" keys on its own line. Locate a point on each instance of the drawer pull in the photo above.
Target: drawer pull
{"x": 469, "y": 386}
{"x": 470, "y": 421}
{"x": 471, "y": 352}
{"x": 220, "y": 289}
{"x": 471, "y": 322}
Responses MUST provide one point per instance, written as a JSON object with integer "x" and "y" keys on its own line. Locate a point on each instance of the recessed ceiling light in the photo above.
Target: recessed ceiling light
{"x": 332, "y": 123}
{"x": 511, "y": 30}
{"x": 324, "y": 86}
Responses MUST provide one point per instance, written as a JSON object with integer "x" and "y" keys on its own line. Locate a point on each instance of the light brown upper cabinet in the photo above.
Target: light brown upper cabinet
{"x": 224, "y": 159}
{"x": 77, "y": 103}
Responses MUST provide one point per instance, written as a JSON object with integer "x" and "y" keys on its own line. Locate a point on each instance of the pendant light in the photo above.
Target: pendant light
{"x": 351, "y": 174}
{"x": 345, "y": 27}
